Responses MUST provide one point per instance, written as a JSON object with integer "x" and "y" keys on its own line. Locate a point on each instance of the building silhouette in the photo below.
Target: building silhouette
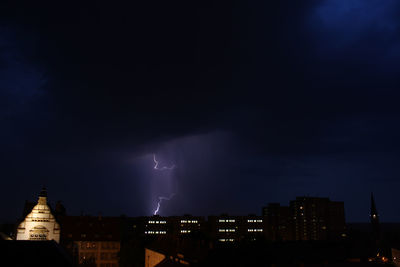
{"x": 134, "y": 241}
{"x": 278, "y": 222}
{"x": 317, "y": 218}
{"x": 374, "y": 217}
{"x": 92, "y": 240}
{"x": 306, "y": 218}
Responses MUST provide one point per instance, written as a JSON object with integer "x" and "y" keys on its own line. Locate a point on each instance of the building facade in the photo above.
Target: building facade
{"x": 40, "y": 223}
{"x": 92, "y": 240}
{"x": 278, "y": 222}
{"x": 228, "y": 229}
{"x": 315, "y": 218}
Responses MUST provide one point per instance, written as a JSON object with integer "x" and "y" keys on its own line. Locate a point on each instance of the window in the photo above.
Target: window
{"x": 226, "y": 239}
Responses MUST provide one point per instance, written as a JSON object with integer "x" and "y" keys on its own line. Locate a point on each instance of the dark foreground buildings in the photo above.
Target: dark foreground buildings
{"x": 306, "y": 218}
{"x": 308, "y": 231}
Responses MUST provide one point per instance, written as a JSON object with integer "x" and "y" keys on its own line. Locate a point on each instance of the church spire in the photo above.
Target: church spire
{"x": 374, "y": 212}
{"x": 374, "y": 218}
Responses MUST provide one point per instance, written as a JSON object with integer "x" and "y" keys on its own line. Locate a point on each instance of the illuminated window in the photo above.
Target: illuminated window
{"x": 226, "y": 239}
{"x": 221, "y": 220}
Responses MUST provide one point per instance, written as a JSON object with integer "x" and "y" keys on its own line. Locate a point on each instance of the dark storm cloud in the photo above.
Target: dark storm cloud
{"x": 305, "y": 91}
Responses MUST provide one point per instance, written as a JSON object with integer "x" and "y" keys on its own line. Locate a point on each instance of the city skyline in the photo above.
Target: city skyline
{"x": 268, "y": 208}
{"x": 304, "y": 219}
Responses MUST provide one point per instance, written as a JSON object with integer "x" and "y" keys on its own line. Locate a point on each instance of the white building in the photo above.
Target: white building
{"x": 40, "y": 224}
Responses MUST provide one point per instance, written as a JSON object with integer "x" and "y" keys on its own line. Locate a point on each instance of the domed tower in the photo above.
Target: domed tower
{"x": 40, "y": 223}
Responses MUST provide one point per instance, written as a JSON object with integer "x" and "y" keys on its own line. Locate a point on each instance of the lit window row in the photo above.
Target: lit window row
{"x": 189, "y": 221}
{"x": 226, "y": 230}
{"x": 226, "y": 239}
{"x": 254, "y": 230}
{"x": 185, "y": 231}
{"x": 253, "y": 221}
{"x": 227, "y": 220}
{"x": 155, "y": 232}
{"x": 158, "y": 222}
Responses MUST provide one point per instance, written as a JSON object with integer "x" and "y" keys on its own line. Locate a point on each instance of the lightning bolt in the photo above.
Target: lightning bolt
{"x": 161, "y": 198}
{"x": 162, "y": 168}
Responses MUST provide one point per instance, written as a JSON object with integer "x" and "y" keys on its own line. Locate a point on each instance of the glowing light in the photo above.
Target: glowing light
{"x": 162, "y": 168}
{"x": 160, "y": 199}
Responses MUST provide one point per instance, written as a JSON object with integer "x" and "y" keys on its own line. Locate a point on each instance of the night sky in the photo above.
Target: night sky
{"x": 252, "y": 102}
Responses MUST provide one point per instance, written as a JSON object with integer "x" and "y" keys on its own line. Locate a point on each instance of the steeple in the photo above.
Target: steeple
{"x": 374, "y": 212}
{"x": 374, "y": 218}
